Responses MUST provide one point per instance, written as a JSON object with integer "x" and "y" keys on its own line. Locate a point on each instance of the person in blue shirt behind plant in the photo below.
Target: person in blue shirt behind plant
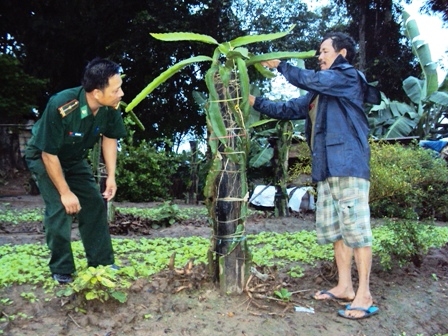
{"x": 439, "y": 147}
{"x": 337, "y": 133}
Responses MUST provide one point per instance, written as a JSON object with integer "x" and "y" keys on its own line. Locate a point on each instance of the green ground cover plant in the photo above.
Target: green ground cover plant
{"x": 15, "y": 217}
{"x": 27, "y": 264}
{"x": 164, "y": 215}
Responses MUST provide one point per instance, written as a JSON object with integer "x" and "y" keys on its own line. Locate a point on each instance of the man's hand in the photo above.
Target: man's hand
{"x": 68, "y": 199}
{"x": 71, "y": 203}
{"x": 251, "y": 100}
{"x": 111, "y": 188}
{"x": 271, "y": 64}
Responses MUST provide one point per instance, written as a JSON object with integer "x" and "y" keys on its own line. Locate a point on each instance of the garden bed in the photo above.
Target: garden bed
{"x": 411, "y": 300}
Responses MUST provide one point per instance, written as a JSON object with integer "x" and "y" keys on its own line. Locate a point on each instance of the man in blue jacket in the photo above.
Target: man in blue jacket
{"x": 337, "y": 133}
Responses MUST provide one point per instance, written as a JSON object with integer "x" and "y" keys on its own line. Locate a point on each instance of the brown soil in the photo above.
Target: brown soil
{"x": 412, "y": 301}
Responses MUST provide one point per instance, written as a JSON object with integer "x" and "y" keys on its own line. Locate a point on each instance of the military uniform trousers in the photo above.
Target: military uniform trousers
{"x": 92, "y": 218}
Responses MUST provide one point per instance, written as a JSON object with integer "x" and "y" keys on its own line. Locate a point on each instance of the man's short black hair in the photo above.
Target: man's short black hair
{"x": 97, "y": 74}
{"x": 342, "y": 41}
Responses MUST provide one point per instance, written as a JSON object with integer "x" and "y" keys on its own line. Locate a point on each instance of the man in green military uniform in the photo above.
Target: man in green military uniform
{"x": 71, "y": 124}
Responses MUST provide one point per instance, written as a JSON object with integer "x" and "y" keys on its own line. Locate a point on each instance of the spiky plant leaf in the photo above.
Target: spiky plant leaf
{"x": 163, "y": 77}
{"x": 281, "y": 55}
{"x": 184, "y": 36}
{"x": 244, "y": 40}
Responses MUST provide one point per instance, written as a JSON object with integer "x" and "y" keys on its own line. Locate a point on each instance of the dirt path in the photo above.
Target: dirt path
{"x": 412, "y": 301}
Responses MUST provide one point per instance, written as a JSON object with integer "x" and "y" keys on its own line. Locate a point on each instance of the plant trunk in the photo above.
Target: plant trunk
{"x": 281, "y": 145}
{"x": 229, "y": 256}
{"x": 193, "y": 190}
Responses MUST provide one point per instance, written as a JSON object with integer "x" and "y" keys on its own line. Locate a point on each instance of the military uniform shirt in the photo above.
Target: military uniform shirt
{"x": 70, "y": 136}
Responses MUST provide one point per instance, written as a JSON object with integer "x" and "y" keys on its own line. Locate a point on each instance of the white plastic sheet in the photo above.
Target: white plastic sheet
{"x": 264, "y": 196}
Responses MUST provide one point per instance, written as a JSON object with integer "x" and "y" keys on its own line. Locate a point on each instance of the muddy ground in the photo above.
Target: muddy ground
{"x": 412, "y": 301}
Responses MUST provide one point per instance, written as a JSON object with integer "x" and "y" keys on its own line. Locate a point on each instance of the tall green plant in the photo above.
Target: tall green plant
{"x": 227, "y": 112}
{"x": 429, "y": 100}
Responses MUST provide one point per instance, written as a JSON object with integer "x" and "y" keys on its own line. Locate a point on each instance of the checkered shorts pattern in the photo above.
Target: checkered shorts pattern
{"x": 343, "y": 212}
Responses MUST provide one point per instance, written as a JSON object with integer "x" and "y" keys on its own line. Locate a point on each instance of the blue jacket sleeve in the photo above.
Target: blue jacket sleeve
{"x": 330, "y": 82}
{"x": 293, "y": 109}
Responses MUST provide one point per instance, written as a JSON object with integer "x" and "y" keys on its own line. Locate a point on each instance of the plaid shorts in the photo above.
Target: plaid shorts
{"x": 343, "y": 212}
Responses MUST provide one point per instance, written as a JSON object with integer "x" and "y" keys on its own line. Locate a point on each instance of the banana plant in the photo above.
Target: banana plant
{"x": 392, "y": 119}
{"x": 227, "y": 115}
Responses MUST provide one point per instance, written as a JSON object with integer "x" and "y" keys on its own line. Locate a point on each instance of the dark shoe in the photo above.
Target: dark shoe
{"x": 62, "y": 278}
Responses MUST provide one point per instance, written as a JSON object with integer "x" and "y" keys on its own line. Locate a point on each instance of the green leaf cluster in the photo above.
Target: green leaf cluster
{"x": 164, "y": 215}
{"x": 19, "y": 91}
{"x": 142, "y": 258}
{"x": 428, "y": 99}
{"x": 407, "y": 182}
{"x": 302, "y": 164}
{"x": 97, "y": 283}
{"x": 283, "y": 294}
{"x": 145, "y": 173}
{"x": 401, "y": 241}
{"x": 13, "y": 216}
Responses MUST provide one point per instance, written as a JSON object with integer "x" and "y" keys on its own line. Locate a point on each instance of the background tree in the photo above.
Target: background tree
{"x": 375, "y": 24}
{"x": 18, "y": 91}
{"x": 438, "y": 6}
{"x": 53, "y": 40}
{"x": 68, "y": 34}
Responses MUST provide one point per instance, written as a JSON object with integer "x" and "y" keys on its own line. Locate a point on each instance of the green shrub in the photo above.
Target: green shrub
{"x": 301, "y": 165}
{"x": 407, "y": 182}
{"x": 145, "y": 174}
{"x": 403, "y": 241}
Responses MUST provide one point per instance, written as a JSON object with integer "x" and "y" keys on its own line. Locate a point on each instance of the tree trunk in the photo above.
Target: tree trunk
{"x": 281, "y": 145}
{"x": 193, "y": 190}
{"x": 362, "y": 36}
{"x": 228, "y": 204}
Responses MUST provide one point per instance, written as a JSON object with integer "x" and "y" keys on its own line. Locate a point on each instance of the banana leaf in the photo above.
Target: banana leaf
{"x": 444, "y": 86}
{"x": 261, "y": 122}
{"x": 262, "y": 157}
{"x": 399, "y": 109}
{"x": 440, "y": 98}
{"x": 403, "y": 126}
{"x": 414, "y": 89}
{"x": 421, "y": 50}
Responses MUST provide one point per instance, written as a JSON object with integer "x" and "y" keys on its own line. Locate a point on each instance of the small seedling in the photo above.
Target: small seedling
{"x": 283, "y": 294}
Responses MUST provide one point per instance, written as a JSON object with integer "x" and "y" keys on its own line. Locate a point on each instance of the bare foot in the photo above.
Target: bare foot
{"x": 363, "y": 303}
{"x": 342, "y": 298}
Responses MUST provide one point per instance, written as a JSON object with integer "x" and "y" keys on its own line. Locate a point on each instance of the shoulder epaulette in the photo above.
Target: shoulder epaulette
{"x": 68, "y": 108}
